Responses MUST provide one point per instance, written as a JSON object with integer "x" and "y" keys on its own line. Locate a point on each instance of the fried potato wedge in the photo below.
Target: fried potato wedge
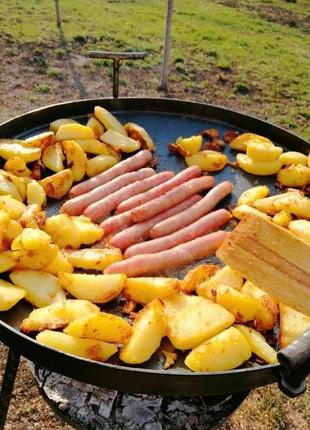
{"x": 136, "y": 132}
{"x": 108, "y": 120}
{"x": 301, "y": 228}
{"x": 30, "y": 239}
{"x": 36, "y": 194}
{"x": 74, "y": 131}
{"x": 94, "y": 258}
{"x": 56, "y": 186}
{"x": 260, "y": 168}
{"x": 20, "y": 183}
{"x": 282, "y": 218}
{"x": 33, "y": 259}
{"x": 54, "y": 125}
{"x": 94, "y": 146}
{"x": 293, "y": 157}
{"x": 87, "y": 348}
{"x": 292, "y": 201}
{"x": 52, "y": 157}
{"x": 99, "y": 164}
{"x": 8, "y": 188}
{"x": 42, "y": 288}
{"x": 263, "y": 151}
{"x": 120, "y": 142}
{"x": 241, "y": 211}
{"x": 89, "y": 232}
{"x": 76, "y": 159}
{"x": 189, "y": 145}
{"x": 17, "y": 166}
{"x": 147, "y": 332}
{"x": 63, "y": 231}
{"x": 225, "y": 351}
{"x": 6, "y": 263}
{"x": 292, "y": 324}
{"x": 195, "y": 277}
{"x": 33, "y": 217}
{"x": 145, "y": 290}
{"x": 100, "y": 326}
{"x": 241, "y": 142}
{"x": 13, "y": 229}
{"x": 10, "y": 150}
{"x": 243, "y": 307}
{"x": 191, "y": 320}
{"x": 207, "y": 160}
{"x": 95, "y": 288}
{"x": 96, "y": 126}
{"x": 294, "y": 175}
{"x": 59, "y": 264}
{"x": 252, "y": 194}
{"x": 258, "y": 344}
{"x": 12, "y": 207}
{"x": 57, "y": 315}
{"x": 40, "y": 140}
{"x": 9, "y": 295}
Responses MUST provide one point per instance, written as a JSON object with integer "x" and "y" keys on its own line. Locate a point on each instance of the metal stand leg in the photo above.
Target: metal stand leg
{"x": 9, "y": 376}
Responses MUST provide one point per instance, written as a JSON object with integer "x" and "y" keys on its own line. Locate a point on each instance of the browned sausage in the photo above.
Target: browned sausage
{"x": 133, "y": 163}
{"x": 77, "y": 205}
{"x": 172, "y": 198}
{"x": 193, "y": 213}
{"x": 140, "y": 231}
{"x": 139, "y": 199}
{"x": 207, "y": 224}
{"x": 187, "y": 253}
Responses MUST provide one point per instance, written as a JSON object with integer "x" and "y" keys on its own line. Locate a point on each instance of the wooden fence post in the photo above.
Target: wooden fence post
{"x": 58, "y": 16}
{"x": 165, "y": 66}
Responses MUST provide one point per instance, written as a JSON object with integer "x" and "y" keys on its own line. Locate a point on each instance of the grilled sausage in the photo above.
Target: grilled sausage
{"x": 171, "y": 198}
{"x": 193, "y": 213}
{"x": 77, "y": 205}
{"x": 185, "y": 253}
{"x": 133, "y": 163}
{"x": 99, "y": 210}
{"x": 207, "y": 224}
{"x": 140, "y": 231}
{"x": 139, "y": 199}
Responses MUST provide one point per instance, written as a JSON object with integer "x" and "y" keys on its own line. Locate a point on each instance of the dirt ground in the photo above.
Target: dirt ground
{"x": 25, "y": 84}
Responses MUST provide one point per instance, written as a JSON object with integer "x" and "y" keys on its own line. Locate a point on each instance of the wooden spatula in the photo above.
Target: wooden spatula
{"x": 272, "y": 258}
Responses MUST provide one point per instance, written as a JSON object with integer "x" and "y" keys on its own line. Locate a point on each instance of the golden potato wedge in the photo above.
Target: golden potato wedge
{"x": 282, "y": 218}
{"x": 76, "y": 159}
{"x": 89, "y": 232}
{"x": 20, "y": 183}
{"x": 263, "y": 151}
{"x": 120, "y": 142}
{"x": 33, "y": 217}
{"x": 243, "y": 307}
{"x": 8, "y": 151}
{"x": 31, "y": 239}
{"x": 12, "y": 207}
{"x": 52, "y": 157}
{"x": 293, "y": 157}
{"x": 207, "y": 160}
{"x": 13, "y": 229}
{"x": 6, "y": 263}
{"x": 136, "y": 132}
{"x": 147, "y": 332}
{"x": 95, "y": 288}
{"x": 36, "y": 194}
{"x": 59, "y": 264}
{"x": 42, "y": 289}
{"x": 87, "y": 348}
{"x": 225, "y": 351}
{"x": 292, "y": 325}
{"x": 8, "y": 188}
{"x": 57, "y": 315}
{"x": 94, "y": 258}
{"x": 108, "y": 120}
{"x": 17, "y": 166}
{"x": 241, "y": 142}
{"x": 54, "y": 125}
{"x": 56, "y": 186}
{"x": 99, "y": 164}
{"x": 226, "y": 276}
{"x": 260, "y": 168}
{"x": 195, "y": 277}
{"x": 191, "y": 145}
{"x": 74, "y": 131}
{"x": 40, "y": 140}
{"x": 252, "y": 194}
{"x": 240, "y": 211}
{"x": 191, "y": 320}
{"x": 294, "y": 175}
{"x": 63, "y": 231}
{"x": 94, "y": 146}
{"x": 9, "y": 295}
{"x": 96, "y": 126}
{"x": 292, "y": 201}
{"x": 145, "y": 290}
{"x": 33, "y": 259}
{"x": 100, "y": 326}
{"x": 301, "y": 228}
{"x": 258, "y": 344}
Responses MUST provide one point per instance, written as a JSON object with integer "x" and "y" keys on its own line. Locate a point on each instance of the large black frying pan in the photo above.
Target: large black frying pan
{"x": 165, "y": 120}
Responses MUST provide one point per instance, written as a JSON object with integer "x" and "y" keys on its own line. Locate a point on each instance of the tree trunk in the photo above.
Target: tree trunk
{"x": 165, "y": 65}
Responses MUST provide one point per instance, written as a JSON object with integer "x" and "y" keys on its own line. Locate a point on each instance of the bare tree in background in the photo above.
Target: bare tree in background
{"x": 165, "y": 66}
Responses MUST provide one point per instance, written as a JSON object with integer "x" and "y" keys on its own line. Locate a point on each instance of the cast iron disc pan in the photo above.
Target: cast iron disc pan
{"x": 165, "y": 120}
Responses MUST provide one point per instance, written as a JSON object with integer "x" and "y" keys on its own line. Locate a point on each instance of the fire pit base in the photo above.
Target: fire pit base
{"x": 85, "y": 406}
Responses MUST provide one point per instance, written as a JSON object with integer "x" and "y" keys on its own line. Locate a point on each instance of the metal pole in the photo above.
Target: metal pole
{"x": 9, "y": 376}
{"x": 115, "y": 77}
{"x": 165, "y": 67}
{"x": 58, "y": 16}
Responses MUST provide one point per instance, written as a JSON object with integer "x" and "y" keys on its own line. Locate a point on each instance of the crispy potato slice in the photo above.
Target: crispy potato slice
{"x": 293, "y": 157}
{"x": 109, "y": 120}
{"x": 76, "y": 159}
{"x": 74, "y": 131}
{"x": 262, "y": 151}
{"x": 59, "y": 264}
{"x": 57, "y": 315}
{"x": 17, "y": 166}
{"x": 9, "y": 150}
{"x": 94, "y": 258}
{"x": 30, "y": 239}
{"x": 99, "y": 164}
{"x": 252, "y": 194}
{"x": 33, "y": 217}
{"x": 292, "y": 325}
{"x": 301, "y": 228}
{"x": 189, "y": 145}
{"x": 87, "y": 348}
{"x": 294, "y": 175}
{"x": 36, "y": 194}
{"x": 195, "y": 277}
{"x": 191, "y": 320}
{"x": 54, "y": 125}
{"x": 137, "y": 132}
{"x": 100, "y": 326}
{"x": 282, "y": 218}
{"x": 145, "y": 290}
{"x": 33, "y": 259}
{"x": 89, "y": 232}
{"x": 8, "y": 188}
{"x": 258, "y": 344}
{"x": 225, "y": 276}
{"x": 20, "y": 183}
{"x": 120, "y": 142}
{"x": 6, "y": 263}
{"x": 9, "y": 295}
{"x": 42, "y": 288}
{"x": 260, "y": 168}
{"x": 56, "y": 186}
{"x": 225, "y": 351}
{"x": 94, "y": 146}
{"x": 274, "y": 204}
{"x": 63, "y": 231}
{"x": 95, "y": 288}
{"x": 13, "y": 229}
{"x": 241, "y": 211}
{"x": 148, "y": 330}
{"x": 243, "y": 307}
{"x": 40, "y": 140}
{"x": 207, "y": 160}
{"x": 11, "y": 206}
{"x": 241, "y": 142}
{"x": 96, "y": 126}
{"x": 52, "y": 157}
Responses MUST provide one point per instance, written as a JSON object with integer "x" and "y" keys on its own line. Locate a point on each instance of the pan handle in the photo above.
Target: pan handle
{"x": 295, "y": 365}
